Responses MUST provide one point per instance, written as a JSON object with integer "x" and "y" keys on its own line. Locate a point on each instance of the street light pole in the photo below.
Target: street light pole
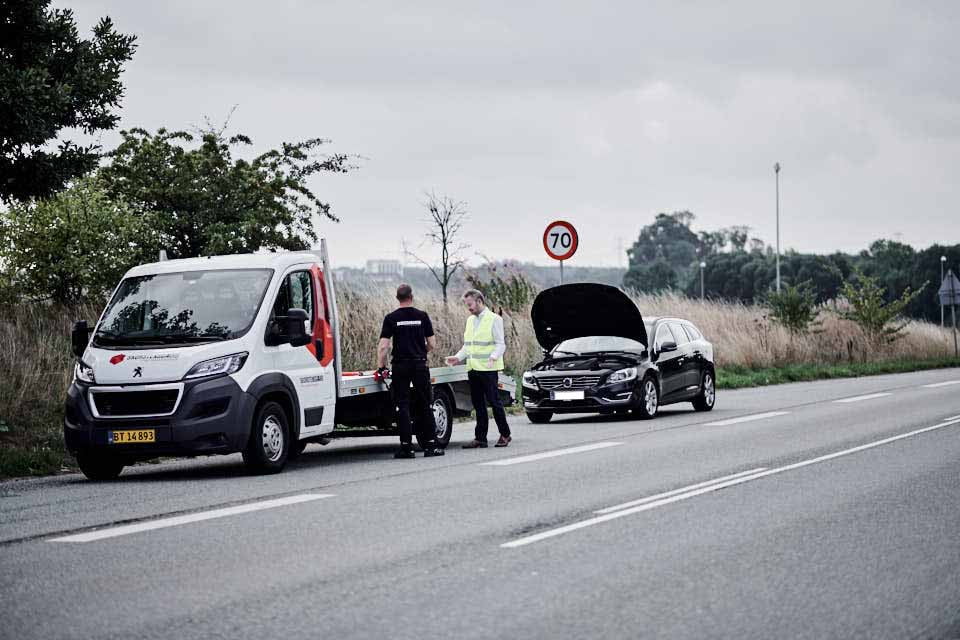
{"x": 776, "y": 173}
{"x": 703, "y": 266}
{"x": 943, "y": 260}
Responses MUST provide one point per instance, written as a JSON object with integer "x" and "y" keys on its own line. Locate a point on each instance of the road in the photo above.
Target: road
{"x": 811, "y": 510}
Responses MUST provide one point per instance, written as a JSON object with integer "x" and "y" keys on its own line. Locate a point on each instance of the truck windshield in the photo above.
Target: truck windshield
{"x": 185, "y": 307}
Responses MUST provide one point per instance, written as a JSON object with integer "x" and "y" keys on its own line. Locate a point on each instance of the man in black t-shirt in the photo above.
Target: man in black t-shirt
{"x": 412, "y": 334}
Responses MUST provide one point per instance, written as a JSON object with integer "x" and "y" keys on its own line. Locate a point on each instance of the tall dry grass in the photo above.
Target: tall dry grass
{"x": 36, "y": 364}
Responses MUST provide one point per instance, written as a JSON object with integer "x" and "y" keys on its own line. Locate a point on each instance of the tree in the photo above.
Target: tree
{"x": 663, "y": 253}
{"x": 50, "y": 79}
{"x": 872, "y": 312}
{"x": 794, "y": 307}
{"x": 73, "y": 246}
{"x": 445, "y": 221}
{"x": 205, "y": 202}
{"x": 503, "y": 285}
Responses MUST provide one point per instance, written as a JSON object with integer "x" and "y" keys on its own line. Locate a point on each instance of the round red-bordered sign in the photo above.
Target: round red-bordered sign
{"x": 560, "y": 240}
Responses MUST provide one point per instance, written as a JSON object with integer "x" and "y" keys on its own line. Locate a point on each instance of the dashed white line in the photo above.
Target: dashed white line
{"x": 550, "y": 454}
{"x": 667, "y": 494}
{"x": 940, "y": 384}
{"x": 162, "y": 523}
{"x": 869, "y": 396}
{"x": 750, "y": 418}
{"x": 543, "y": 535}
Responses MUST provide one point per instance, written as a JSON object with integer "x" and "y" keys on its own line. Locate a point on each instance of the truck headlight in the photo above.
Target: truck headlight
{"x": 622, "y": 375}
{"x": 223, "y": 365}
{"x": 529, "y": 380}
{"x": 83, "y": 373}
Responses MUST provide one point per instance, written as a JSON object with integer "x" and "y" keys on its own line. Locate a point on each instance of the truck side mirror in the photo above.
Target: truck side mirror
{"x": 79, "y": 338}
{"x": 294, "y": 328}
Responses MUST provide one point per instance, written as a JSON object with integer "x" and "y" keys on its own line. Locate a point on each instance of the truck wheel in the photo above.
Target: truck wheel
{"x": 442, "y": 409}
{"x": 269, "y": 445}
{"x": 649, "y": 399}
{"x": 539, "y": 417}
{"x": 99, "y": 466}
{"x": 708, "y": 393}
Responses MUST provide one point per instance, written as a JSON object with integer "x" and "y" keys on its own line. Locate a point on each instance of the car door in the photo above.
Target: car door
{"x": 309, "y": 367}
{"x": 669, "y": 364}
{"x": 697, "y": 344}
{"x": 689, "y": 370}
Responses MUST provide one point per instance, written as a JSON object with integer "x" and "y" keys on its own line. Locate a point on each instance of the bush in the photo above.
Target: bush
{"x": 795, "y": 308}
{"x": 868, "y": 308}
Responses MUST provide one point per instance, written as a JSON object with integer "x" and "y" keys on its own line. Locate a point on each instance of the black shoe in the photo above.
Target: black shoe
{"x": 475, "y": 444}
{"x": 432, "y": 453}
{"x": 503, "y": 441}
{"x": 404, "y": 453}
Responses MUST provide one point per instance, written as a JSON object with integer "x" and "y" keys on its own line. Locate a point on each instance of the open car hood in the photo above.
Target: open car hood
{"x": 585, "y": 309}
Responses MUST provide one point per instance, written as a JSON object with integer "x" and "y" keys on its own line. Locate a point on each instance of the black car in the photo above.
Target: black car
{"x": 598, "y": 358}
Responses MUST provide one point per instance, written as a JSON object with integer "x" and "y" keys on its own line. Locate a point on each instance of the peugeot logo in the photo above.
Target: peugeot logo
{"x": 567, "y": 383}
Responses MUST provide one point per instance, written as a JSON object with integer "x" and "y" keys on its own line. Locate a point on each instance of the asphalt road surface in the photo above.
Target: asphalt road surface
{"x": 813, "y": 510}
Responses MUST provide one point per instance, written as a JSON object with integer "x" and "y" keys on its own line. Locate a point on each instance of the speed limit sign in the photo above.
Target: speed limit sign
{"x": 560, "y": 240}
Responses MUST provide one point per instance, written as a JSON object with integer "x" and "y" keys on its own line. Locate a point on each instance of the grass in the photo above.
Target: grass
{"x": 36, "y": 364}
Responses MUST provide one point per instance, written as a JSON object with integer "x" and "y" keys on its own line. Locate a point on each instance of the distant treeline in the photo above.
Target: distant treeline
{"x": 667, "y": 256}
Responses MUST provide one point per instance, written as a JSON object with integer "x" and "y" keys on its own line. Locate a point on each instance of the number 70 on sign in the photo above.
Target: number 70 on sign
{"x": 560, "y": 240}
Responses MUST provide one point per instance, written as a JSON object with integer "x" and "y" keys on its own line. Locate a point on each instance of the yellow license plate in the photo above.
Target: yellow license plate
{"x": 135, "y": 436}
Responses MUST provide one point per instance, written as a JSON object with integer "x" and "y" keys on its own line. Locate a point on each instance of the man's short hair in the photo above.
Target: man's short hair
{"x": 472, "y": 293}
{"x": 404, "y": 292}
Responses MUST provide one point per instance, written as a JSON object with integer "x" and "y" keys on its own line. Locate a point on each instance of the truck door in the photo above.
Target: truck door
{"x": 309, "y": 367}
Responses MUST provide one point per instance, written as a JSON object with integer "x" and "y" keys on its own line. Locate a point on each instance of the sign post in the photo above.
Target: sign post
{"x": 950, "y": 295}
{"x": 560, "y": 241}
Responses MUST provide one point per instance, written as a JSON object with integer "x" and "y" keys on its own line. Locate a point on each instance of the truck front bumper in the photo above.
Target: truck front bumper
{"x": 213, "y": 416}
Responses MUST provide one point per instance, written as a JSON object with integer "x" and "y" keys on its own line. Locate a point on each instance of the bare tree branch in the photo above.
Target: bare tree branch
{"x": 446, "y": 218}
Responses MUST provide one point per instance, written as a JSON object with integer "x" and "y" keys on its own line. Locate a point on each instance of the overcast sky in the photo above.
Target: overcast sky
{"x": 600, "y": 113}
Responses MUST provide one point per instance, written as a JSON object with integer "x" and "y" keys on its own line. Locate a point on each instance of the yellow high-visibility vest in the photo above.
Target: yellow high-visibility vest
{"x": 480, "y": 344}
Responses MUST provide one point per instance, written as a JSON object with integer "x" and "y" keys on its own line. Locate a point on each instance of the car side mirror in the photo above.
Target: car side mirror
{"x": 79, "y": 338}
{"x": 667, "y": 347}
{"x": 293, "y": 328}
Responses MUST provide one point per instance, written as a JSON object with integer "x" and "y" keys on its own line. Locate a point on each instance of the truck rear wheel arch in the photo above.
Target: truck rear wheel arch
{"x": 279, "y": 388}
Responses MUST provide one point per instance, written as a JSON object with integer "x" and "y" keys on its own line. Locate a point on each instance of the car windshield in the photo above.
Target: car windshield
{"x": 190, "y": 306}
{"x": 593, "y": 344}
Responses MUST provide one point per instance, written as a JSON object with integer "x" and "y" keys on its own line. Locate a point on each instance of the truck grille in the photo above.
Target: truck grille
{"x": 135, "y": 403}
{"x": 576, "y": 382}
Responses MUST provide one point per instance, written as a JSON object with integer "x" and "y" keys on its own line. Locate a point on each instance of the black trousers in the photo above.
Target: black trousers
{"x": 483, "y": 389}
{"x": 411, "y": 384}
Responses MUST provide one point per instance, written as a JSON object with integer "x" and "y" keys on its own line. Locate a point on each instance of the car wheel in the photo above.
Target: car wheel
{"x": 98, "y": 466}
{"x": 539, "y": 417}
{"x": 442, "y": 409}
{"x": 269, "y": 445}
{"x": 708, "y": 393}
{"x": 649, "y": 398}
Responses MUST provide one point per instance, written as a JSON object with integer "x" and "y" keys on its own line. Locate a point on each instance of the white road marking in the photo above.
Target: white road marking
{"x": 543, "y": 535}
{"x": 940, "y": 384}
{"x": 751, "y": 418}
{"x": 667, "y": 494}
{"x": 162, "y": 523}
{"x": 550, "y": 454}
{"x": 951, "y": 418}
{"x": 870, "y": 396}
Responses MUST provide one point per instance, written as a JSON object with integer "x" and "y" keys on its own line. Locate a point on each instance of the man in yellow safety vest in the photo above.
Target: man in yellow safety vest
{"x": 483, "y": 348}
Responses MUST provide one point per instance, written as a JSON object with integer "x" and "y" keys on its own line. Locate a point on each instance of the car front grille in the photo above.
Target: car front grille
{"x": 156, "y": 402}
{"x": 575, "y": 382}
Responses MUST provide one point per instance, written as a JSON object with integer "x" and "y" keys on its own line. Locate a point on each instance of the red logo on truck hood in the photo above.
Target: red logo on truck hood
{"x": 117, "y": 359}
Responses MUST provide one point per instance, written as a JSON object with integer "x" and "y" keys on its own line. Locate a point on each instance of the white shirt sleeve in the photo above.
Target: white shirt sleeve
{"x": 498, "y": 338}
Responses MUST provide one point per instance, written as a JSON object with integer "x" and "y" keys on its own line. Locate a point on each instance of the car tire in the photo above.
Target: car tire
{"x": 99, "y": 467}
{"x": 268, "y": 448}
{"x": 649, "y": 403}
{"x": 539, "y": 417}
{"x": 707, "y": 396}
{"x": 442, "y": 407}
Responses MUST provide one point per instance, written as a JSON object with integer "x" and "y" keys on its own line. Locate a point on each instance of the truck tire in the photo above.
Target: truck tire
{"x": 269, "y": 445}
{"x": 97, "y": 466}
{"x": 649, "y": 403}
{"x": 442, "y": 408}
{"x": 707, "y": 396}
{"x": 539, "y": 417}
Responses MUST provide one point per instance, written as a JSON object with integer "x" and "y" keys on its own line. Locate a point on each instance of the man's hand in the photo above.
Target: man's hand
{"x": 491, "y": 362}
{"x": 452, "y": 361}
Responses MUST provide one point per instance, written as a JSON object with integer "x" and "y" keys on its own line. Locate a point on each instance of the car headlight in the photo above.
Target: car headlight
{"x": 622, "y": 375}
{"x": 223, "y": 365}
{"x": 529, "y": 380}
{"x": 83, "y": 373}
